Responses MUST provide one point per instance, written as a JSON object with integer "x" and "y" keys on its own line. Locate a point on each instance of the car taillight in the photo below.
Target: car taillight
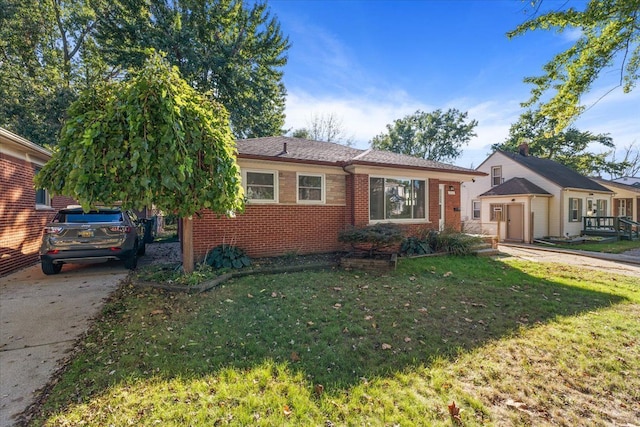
{"x": 120, "y": 229}
{"x": 52, "y": 230}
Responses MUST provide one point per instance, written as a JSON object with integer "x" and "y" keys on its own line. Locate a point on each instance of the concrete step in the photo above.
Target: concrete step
{"x": 487, "y": 252}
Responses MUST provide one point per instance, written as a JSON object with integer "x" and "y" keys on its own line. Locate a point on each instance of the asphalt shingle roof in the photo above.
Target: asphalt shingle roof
{"x": 515, "y": 186}
{"x": 304, "y": 150}
{"x": 555, "y": 172}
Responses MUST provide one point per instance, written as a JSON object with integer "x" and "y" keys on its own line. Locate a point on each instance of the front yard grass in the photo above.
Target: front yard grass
{"x": 512, "y": 343}
{"x": 610, "y": 247}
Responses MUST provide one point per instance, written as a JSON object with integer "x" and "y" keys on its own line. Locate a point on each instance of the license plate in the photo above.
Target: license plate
{"x": 88, "y": 233}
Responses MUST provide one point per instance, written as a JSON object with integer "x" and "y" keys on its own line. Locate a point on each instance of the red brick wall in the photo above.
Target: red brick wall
{"x": 20, "y": 223}
{"x": 269, "y": 230}
{"x": 276, "y": 229}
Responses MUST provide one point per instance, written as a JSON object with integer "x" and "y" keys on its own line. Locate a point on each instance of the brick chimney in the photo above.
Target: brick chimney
{"x": 523, "y": 149}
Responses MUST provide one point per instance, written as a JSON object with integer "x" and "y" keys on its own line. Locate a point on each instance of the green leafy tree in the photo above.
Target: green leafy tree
{"x": 148, "y": 139}
{"x": 568, "y": 147}
{"x": 46, "y": 57}
{"x": 224, "y": 47}
{"x": 437, "y": 136}
{"x": 610, "y": 38}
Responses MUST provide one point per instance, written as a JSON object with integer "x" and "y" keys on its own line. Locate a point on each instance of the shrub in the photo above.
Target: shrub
{"x": 453, "y": 242}
{"x": 415, "y": 246}
{"x": 372, "y": 238}
{"x": 227, "y": 256}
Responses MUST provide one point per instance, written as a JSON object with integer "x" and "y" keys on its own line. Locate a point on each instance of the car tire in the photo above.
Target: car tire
{"x": 131, "y": 262}
{"x": 50, "y": 268}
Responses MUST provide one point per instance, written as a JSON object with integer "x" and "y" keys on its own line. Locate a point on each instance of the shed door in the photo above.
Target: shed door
{"x": 515, "y": 222}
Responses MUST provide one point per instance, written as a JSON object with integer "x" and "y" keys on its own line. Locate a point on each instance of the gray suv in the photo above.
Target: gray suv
{"x": 103, "y": 234}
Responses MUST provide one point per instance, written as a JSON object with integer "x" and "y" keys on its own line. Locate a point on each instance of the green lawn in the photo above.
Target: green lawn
{"x": 512, "y": 343}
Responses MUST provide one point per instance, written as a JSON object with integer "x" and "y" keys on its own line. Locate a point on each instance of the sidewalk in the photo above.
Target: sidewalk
{"x": 627, "y": 258}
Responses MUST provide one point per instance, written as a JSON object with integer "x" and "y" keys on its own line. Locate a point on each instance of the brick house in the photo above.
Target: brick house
{"x": 301, "y": 194}
{"x": 24, "y": 211}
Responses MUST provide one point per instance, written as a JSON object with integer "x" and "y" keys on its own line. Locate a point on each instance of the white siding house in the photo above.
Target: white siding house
{"x": 525, "y": 198}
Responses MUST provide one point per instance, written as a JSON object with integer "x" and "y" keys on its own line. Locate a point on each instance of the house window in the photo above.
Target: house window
{"x": 496, "y": 175}
{"x": 601, "y": 207}
{"x": 42, "y": 195}
{"x": 397, "y": 199}
{"x": 261, "y": 186}
{"x": 475, "y": 209}
{"x": 575, "y": 210}
{"x": 310, "y": 188}
{"x": 622, "y": 207}
{"x": 496, "y": 212}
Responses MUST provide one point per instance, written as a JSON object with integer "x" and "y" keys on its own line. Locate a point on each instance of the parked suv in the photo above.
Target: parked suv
{"x": 75, "y": 236}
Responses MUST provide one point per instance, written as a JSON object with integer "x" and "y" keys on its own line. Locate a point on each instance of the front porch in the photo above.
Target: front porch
{"x": 624, "y": 228}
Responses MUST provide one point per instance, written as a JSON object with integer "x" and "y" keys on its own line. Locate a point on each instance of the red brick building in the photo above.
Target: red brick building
{"x": 24, "y": 211}
{"x": 301, "y": 194}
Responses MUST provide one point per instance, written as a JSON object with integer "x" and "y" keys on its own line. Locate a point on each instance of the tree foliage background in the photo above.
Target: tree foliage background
{"x": 325, "y": 127}
{"x": 147, "y": 139}
{"x": 50, "y": 51}
{"x": 437, "y": 135}
{"x": 568, "y": 147}
{"x": 609, "y": 40}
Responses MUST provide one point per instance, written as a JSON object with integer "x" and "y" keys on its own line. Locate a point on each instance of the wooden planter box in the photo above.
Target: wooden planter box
{"x": 379, "y": 265}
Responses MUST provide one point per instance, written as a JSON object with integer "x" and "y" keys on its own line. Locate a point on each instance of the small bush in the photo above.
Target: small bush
{"x": 453, "y": 242}
{"x": 372, "y": 238}
{"x": 227, "y": 256}
{"x": 415, "y": 246}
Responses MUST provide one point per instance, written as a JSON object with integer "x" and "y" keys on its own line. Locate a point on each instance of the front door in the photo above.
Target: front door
{"x": 515, "y": 222}
{"x": 441, "y": 206}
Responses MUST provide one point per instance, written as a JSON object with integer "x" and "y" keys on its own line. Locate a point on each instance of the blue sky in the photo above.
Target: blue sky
{"x": 371, "y": 62}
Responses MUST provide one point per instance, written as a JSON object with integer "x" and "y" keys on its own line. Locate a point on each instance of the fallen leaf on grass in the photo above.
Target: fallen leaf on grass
{"x": 368, "y": 317}
{"x": 454, "y": 411}
{"x": 295, "y": 357}
{"x": 319, "y": 389}
{"x": 337, "y": 305}
{"x": 157, "y": 312}
{"x": 407, "y": 339}
{"x": 286, "y": 410}
{"x": 447, "y": 274}
{"x": 386, "y": 346}
{"x": 521, "y": 406}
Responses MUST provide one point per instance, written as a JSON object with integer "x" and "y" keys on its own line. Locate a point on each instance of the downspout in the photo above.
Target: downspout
{"x": 352, "y": 204}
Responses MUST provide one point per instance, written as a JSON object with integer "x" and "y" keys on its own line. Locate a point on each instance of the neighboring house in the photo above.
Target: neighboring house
{"x": 626, "y": 198}
{"x": 628, "y": 180}
{"x": 301, "y": 194}
{"x": 525, "y": 198}
{"x": 24, "y": 211}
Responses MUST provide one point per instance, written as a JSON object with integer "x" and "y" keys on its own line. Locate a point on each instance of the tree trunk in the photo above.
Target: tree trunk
{"x": 187, "y": 245}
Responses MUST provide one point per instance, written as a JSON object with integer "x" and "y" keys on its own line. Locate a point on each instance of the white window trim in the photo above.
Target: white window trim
{"x": 275, "y": 185}
{"x": 473, "y": 202}
{"x": 322, "y": 189}
{"x": 498, "y": 168}
{"x": 400, "y": 220}
{"x": 47, "y": 197}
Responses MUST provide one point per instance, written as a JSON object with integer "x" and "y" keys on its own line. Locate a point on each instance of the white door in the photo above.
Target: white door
{"x": 441, "y": 206}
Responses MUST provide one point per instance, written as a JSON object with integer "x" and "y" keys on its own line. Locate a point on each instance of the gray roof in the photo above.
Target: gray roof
{"x": 629, "y": 187}
{"x": 309, "y": 151}
{"x": 555, "y": 172}
{"x": 514, "y": 187}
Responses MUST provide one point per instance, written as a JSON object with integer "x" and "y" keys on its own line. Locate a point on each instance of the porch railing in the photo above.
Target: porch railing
{"x": 621, "y": 227}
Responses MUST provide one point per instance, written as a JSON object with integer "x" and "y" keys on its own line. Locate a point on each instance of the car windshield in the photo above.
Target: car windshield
{"x": 89, "y": 217}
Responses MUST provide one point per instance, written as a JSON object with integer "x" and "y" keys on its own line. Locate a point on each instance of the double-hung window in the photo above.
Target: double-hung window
{"x": 575, "y": 210}
{"x": 496, "y": 175}
{"x": 475, "y": 209}
{"x": 397, "y": 198}
{"x": 310, "y": 188}
{"x": 261, "y": 186}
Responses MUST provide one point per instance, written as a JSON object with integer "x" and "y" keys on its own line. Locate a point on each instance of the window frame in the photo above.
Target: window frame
{"x": 601, "y": 207}
{"x": 46, "y": 197}
{"x": 322, "y": 188}
{"x": 575, "y": 209}
{"x": 245, "y": 185}
{"x": 494, "y": 176}
{"x": 425, "y": 182}
{"x": 474, "y": 210}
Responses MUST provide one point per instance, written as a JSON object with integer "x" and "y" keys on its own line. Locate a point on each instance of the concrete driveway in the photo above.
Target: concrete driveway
{"x": 41, "y": 317}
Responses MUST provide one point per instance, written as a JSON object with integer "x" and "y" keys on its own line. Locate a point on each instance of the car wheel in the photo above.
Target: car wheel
{"x": 50, "y": 268}
{"x": 142, "y": 249}
{"x": 132, "y": 261}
